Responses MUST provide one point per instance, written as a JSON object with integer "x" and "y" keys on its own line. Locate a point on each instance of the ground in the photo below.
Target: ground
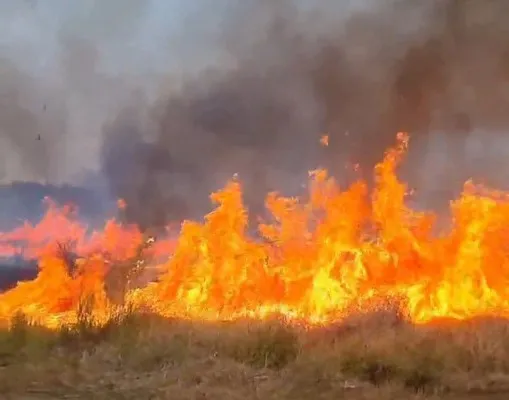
{"x": 375, "y": 355}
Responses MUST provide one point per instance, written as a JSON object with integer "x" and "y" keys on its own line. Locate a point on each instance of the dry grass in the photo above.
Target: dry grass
{"x": 376, "y": 355}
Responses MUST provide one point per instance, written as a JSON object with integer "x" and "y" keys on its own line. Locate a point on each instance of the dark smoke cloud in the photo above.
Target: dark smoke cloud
{"x": 166, "y": 111}
{"x": 437, "y": 69}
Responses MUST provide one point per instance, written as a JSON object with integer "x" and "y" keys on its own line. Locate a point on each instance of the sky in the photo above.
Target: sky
{"x": 79, "y": 60}
{"x": 133, "y": 36}
{"x": 130, "y": 34}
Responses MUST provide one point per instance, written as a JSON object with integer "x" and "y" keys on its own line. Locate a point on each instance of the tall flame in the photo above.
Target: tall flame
{"x": 315, "y": 260}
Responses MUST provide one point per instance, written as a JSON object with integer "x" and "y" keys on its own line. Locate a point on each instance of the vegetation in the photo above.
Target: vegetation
{"x": 376, "y": 355}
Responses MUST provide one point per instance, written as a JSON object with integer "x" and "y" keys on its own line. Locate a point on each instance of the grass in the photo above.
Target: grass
{"x": 376, "y": 355}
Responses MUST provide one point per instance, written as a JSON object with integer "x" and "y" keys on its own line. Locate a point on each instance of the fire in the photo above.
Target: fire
{"x": 315, "y": 260}
{"x": 324, "y": 140}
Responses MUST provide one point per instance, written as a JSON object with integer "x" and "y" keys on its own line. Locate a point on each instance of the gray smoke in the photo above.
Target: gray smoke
{"x": 435, "y": 69}
{"x": 252, "y": 87}
{"x": 67, "y": 68}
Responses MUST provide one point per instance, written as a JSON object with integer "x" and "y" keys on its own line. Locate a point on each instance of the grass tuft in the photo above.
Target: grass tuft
{"x": 272, "y": 345}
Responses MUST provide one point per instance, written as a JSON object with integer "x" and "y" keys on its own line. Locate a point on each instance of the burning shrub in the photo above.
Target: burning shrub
{"x": 125, "y": 275}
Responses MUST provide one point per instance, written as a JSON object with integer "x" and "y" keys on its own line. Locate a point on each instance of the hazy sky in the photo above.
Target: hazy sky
{"x": 71, "y": 64}
{"x": 132, "y": 35}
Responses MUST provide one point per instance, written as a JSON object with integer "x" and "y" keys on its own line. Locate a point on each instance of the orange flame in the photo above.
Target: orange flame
{"x": 316, "y": 259}
{"x": 324, "y": 140}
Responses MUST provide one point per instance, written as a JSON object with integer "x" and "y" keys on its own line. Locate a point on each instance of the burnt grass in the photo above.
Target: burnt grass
{"x": 135, "y": 355}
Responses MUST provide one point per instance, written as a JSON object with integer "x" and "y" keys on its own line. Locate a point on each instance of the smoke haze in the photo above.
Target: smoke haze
{"x": 160, "y": 103}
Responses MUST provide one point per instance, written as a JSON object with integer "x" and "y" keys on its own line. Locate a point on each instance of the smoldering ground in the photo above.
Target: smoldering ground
{"x": 292, "y": 72}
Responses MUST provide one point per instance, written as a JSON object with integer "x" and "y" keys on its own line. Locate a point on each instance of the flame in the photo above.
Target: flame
{"x": 324, "y": 140}
{"x": 314, "y": 260}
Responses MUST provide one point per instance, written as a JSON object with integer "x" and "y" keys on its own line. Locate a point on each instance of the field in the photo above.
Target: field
{"x": 375, "y": 355}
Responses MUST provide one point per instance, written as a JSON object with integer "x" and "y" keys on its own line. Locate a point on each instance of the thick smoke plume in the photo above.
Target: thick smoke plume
{"x": 430, "y": 68}
{"x": 285, "y": 73}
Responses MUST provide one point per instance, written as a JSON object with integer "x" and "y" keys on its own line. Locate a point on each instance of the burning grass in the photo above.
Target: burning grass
{"x": 313, "y": 259}
{"x": 375, "y": 355}
{"x": 96, "y": 324}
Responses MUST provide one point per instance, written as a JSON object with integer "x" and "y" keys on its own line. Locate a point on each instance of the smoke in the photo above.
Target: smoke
{"x": 167, "y": 115}
{"x": 435, "y": 69}
{"x": 68, "y": 68}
